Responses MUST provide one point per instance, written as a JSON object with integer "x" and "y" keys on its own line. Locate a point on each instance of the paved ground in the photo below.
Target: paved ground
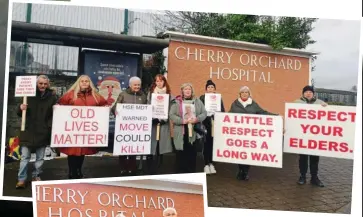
{"x": 268, "y": 188}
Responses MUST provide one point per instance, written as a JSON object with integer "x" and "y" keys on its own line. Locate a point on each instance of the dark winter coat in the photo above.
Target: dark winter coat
{"x": 39, "y": 117}
{"x": 253, "y": 108}
{"x": 129, "y": 97}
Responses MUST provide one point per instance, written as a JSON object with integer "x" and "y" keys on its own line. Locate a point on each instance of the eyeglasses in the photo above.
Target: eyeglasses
{"x": 43, "y": 83}
{"x": 170, "y": 214}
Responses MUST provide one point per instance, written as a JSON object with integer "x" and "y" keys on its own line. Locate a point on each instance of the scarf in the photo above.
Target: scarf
{"x": 160, "y": 90}
{"x": 245, "y": 103}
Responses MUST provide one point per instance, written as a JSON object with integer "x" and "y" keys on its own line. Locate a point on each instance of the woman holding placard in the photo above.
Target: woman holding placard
{"x": 132, "y": 95}
{"x": 246, "y": 105}
{"x": 185, "y": 126}
{"x": 210, "y": 88}
{"x": 159, "y": 96}
{"x": 82, "y": 93}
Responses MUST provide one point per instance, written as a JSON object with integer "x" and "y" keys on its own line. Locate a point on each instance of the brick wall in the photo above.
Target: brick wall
{"x": 186, "y": 204}
{"x": 284, "y": 84}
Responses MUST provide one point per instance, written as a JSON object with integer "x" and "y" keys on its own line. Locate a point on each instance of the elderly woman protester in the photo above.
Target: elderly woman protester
{"x": 186, "y": 151}
{"x": 82, "y": 93}
{"x": 308, "y": 97}
{"x": 164, "y": 144}
{"x": 132, "y": 95}
{"x": 246, "y": 105}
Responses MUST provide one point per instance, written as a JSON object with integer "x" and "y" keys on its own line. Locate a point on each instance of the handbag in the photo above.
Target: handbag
{"x": 201, "y": 131}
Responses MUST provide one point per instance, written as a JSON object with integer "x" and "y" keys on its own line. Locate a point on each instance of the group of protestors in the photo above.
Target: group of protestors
{"x": 173, "y": 137}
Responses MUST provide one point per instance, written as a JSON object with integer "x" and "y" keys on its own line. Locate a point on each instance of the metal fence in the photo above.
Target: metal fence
{"x": 54, "y": 59}
{"x": 42, "y": 58}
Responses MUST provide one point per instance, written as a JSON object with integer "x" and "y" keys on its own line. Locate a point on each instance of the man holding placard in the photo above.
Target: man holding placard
{"x": 308, "y": 97}
{"x": 37, "y": 129}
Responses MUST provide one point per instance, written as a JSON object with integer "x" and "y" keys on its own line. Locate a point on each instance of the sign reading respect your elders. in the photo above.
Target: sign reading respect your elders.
{"x": 322, "y": 131}
{"x": 80, "y": 126}
{"x": 133, "y": 129}
{"x": 248, "y": 139}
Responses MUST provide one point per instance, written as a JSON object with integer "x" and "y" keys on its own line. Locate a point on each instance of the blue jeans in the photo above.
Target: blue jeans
{"x": 24, "y": 161}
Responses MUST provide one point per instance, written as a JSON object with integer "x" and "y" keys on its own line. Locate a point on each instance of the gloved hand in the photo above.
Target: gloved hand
{"x": 155, "y": 121}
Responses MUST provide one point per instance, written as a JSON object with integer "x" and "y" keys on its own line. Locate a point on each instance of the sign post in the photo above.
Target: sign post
{"x": 25, "y": 86}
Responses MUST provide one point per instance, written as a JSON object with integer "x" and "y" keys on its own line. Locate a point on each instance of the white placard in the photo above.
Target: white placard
{"x": 160, "y": 106}
{"x": 323, "y": 131}
{"x": 80, "y": 126}
{"x": 248, "y": 139}
{"x": 212, "y": 103}
{"x": 133, "y": 129}
{"x": 25, "y": 86}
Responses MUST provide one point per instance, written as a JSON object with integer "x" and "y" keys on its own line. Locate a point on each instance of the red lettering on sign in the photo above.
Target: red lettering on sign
{"x": 81, "y": 126}
{"x": 321, "y": 115}
{"x": 132, "y": 127}
{"x": 82, "y": 113}
{"x": 241, "y": 143}
{"x": 322, "y": 130}
{"x": 263, "y": 157}
{"x": 319, "y": 145}
{"x": 231, "y": 154}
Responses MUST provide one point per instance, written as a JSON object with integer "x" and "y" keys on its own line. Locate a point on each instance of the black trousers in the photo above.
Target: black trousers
{"x": 153, "y": 161}
{"x": 75, "y": 164}
{"x": 186, "y": 160}
{"x": 208, "y": 148}
{"x": 314, "y": 164}
{"x": 244, "y": 168}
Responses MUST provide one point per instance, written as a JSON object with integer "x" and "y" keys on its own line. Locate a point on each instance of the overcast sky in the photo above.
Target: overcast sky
{"x": 338, "y": 42}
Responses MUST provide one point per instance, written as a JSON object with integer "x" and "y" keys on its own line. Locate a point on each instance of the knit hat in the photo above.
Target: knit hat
{"x": 308, "y": 88}
{"x": 210, "y": 82}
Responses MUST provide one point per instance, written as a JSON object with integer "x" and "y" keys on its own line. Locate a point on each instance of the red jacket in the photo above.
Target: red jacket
{"x": 83, "y": 99}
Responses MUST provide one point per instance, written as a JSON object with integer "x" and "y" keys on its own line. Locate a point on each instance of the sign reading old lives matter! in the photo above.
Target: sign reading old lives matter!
{"x": 80, "y": 126}
{"x": 248, "y": 139}
{"x": 133, "y": 129}
{"x": 160, "y": 105}
{"x": 25, "y": 86}
{"x": 212, "y": 103}
{"x": 323, "y": 131}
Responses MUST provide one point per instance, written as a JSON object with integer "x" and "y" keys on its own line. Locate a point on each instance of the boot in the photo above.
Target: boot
{"x": 80, "y": 174}
{"x": 240, "y": 175}
{"x": 245, "y": 176}
{"x": 302, "y": 179}
{"x": 149, "y": 166}
{"x": 316, "y": 181}
{"x": 72, "y": 174}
